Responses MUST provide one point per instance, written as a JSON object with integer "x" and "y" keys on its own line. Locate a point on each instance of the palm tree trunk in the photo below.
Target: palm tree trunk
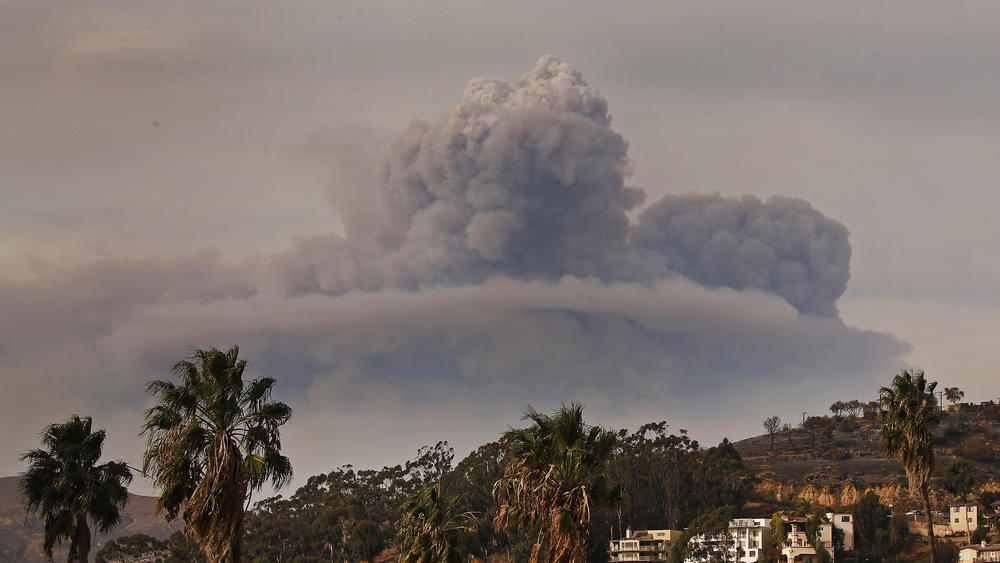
{"x": 80, "y": 550}
{"x": 924, "y": 491}
{"x": 237, "y": 544}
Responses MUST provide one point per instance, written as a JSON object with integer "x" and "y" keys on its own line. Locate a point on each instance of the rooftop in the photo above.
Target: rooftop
{"x": 984, "y": 547}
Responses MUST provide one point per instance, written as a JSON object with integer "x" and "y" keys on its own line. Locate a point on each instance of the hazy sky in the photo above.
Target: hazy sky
{"x": 167, "y": 167}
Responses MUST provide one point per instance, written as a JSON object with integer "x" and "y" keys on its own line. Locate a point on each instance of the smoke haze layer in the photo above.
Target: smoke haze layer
{"x": 496, "y": 257}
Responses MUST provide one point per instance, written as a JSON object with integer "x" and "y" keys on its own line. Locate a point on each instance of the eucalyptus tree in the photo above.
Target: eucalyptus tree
{"x": 213, "y": 440}
{"x": 69, "y": 490}
{"x": 909, "y": 415}
{"x": 556, "y": 478}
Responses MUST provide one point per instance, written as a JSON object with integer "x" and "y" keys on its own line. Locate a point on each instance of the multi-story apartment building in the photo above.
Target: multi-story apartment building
{"x": 643, "y": 545}
{"x": 963, "y": 518}
{"x": 742, "y": 542}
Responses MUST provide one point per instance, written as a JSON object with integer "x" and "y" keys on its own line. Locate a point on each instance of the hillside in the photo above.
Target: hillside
{"x": 21, "y": 536}
{"x": 840, "y": 458}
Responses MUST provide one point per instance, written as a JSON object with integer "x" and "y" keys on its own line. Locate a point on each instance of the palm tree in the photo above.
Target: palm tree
{"x": 214, "y": 440}
{"x": 909, "y": 413}
{"x": 66, "y": 488}
{"x": 854, "y": 407}
{"x": 556, "y": 477}
{"x": 953, "y": 394}
{"x": 432, "y": 529}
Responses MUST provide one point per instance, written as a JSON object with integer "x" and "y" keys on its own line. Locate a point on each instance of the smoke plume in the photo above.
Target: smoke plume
{"x": 528, "y": 180}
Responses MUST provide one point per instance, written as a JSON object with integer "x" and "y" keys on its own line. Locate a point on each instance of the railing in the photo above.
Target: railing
{"x": 798, "y": 539}
{"x": 619, "y": 558}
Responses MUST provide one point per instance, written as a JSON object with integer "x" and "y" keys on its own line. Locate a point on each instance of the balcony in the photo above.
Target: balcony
{"x": 625, "y": 557}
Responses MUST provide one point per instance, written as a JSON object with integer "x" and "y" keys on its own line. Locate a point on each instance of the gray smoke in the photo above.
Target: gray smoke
{"x": 525, "y": 179}
{"x": 528, "y": 180}
{"x": 781, "y": 245}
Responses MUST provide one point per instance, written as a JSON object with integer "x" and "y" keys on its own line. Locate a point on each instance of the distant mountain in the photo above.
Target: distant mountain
{"x": 21, "y": 536}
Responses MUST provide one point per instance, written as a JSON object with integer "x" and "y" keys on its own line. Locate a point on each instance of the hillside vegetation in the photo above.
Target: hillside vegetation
{"x": 833, "y": 460}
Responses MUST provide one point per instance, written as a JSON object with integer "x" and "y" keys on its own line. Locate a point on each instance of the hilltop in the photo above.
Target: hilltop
{"x": 21, "y": 536}
{"x": 833, "y": 460}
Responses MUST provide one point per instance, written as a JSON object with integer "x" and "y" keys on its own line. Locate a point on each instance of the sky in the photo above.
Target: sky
{"x": 423, "y": 217}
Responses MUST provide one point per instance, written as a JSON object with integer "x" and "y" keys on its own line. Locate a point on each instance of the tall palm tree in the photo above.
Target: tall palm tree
{"x": 556, "y": 477}
{"x": 433, "y": 530}
{"x": 213, "y": 440}
{"x": 68, "y": 490}
{"x": 909, "y": 414}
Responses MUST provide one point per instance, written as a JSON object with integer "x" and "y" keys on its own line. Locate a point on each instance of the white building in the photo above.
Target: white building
{"x": 845, "y": 523}
{"x": 979, "y": 553}
{"x": 643, "y": 545}
{"x": 742, "y": 542}
{"x": 798, "y": 546}
{"x": 963, "y": 518}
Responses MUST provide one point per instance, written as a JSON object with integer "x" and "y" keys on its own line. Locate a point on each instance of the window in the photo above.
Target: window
{"x": 845, "y": 518}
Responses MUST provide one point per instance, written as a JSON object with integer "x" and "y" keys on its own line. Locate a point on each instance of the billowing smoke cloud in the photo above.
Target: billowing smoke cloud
{"x": 527, "y": 179}
{"x": 489, "y": 264}
{"x": 781, "y": 245}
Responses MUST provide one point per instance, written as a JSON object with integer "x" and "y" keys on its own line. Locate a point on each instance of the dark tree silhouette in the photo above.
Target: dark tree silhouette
{"x": 909, "y": 414}
{"x": 67, "y": 489}
{"x": 772, "y": 424}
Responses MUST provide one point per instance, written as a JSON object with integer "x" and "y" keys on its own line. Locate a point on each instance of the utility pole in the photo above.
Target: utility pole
{"x": 940, "y": 401}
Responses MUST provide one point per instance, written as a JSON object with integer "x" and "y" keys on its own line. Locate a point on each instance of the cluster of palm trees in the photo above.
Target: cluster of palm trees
{"x": 213, "y": 440}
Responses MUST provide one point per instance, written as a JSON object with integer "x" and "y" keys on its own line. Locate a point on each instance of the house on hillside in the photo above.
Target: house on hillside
{"x": 643, "y": 545}
{"x": 979, "y": 553}
{"x": 800, "y": 548}
{"x": 963, "y": 518}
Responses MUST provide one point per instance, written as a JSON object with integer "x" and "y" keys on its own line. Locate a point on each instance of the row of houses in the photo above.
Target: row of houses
{"x": 745, "y": 539}
{"x": 742, "y": 542}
